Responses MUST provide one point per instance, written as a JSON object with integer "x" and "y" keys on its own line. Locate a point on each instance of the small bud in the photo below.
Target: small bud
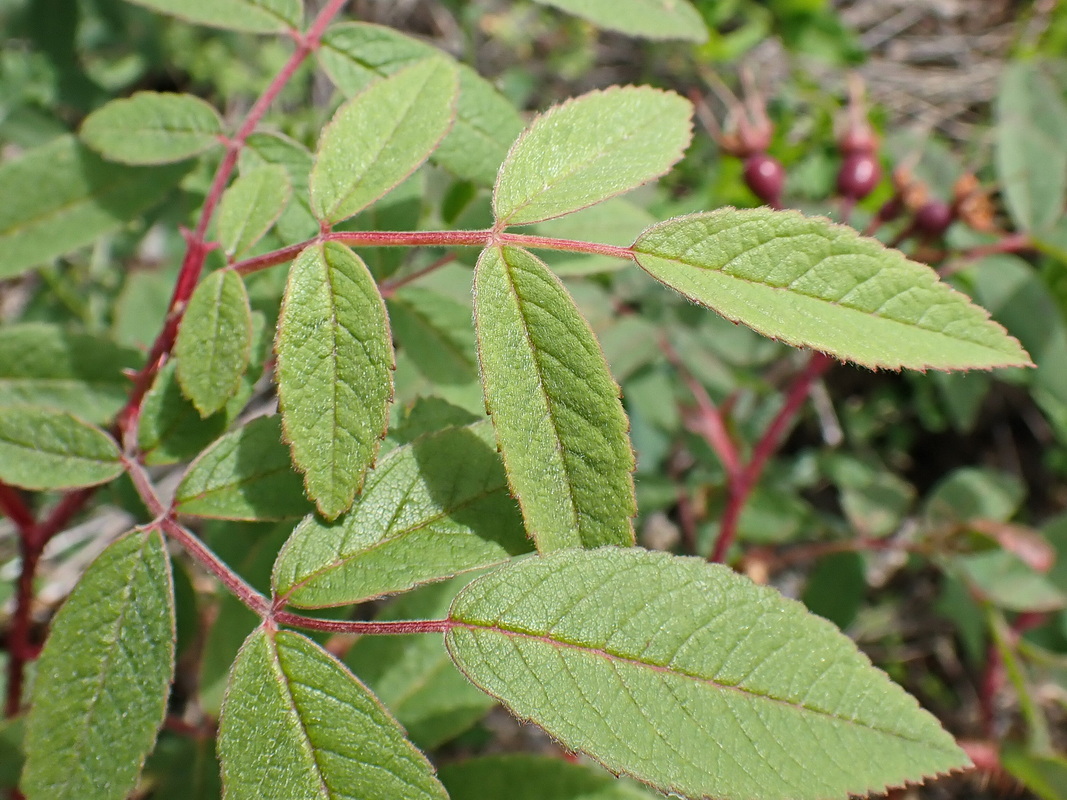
{"x": 747, "y": 130}
{"x": 933, "y": 219}
{"x": 858, "y": 176}
{"x": 765, "y": 176}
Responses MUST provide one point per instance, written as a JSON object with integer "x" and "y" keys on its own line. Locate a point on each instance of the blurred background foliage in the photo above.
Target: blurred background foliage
{"x": 923, "y": 513}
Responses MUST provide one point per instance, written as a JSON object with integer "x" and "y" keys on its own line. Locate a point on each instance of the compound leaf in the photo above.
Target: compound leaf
{"x": 215, "y": 341}
{"x": 101, "y": 687}
{"x": 431, "y": 509}
{"x": 335, "y": 362}
{"x": 46, "y": 365}
{"x": 251, "y": 206}
{"x": 649, "y": 19}
{"x": 691, "y": 678}
{"x": 555, "y": 407}
{"x": 295, "y": 723}
{"x": 811, "y": 283}
{"x": 381, "y": 136}
{"x": 354, "y": 54}
{"x": 67, "y": 197}
{"x": 247, "y": 474}
{"x": 44, "y": 449}
{"x": 152, "y": 128}
{"x": 252, "y": 16}
{"x": 591, "y": 148}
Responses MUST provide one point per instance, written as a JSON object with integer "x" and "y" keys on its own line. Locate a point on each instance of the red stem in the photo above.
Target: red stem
{"x": 477, "y": 238}
{"x": 198, "y": 248}
{"x": 15, "y": 509}
{"x": 741, "y": 484}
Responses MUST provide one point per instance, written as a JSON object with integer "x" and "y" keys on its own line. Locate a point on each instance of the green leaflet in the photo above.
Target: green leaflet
{"x": 152, "y": 128}
{"x": 67, "y": 197}
{"x": 43, "y": 449}
{"x": 101, "y": 686}
{"x": 214, "y": 342}
{"x": 811, "y": 283}
{"x": 431, "y": 509}
{"x": 381, "y": 136}
{"x": 245, "y": 475}
{"x": 555, "y": 407}
{"x": 251, "y": 206}
{"x": 591, "y": 148}
{"x": 435, "y": 331}
{"x": 334, "y": 372}
{"x": 649, "y": 19}
{"x": 296, "y": 724}
{"x": 354, "y": 54}
{"x": 530, "y": 777}
{"x": 1030, "y": 159}
{"x": 46, "y": 365}
{"x": 253, "y": 16}
{"x": 691, "y": 678}
{"x": 413, "y": 674}
{"x": 297, "y": 223}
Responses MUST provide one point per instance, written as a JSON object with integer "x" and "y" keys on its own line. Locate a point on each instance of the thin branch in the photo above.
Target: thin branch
{"x": 364, "y": 627}
{"x": 15, "y": 509}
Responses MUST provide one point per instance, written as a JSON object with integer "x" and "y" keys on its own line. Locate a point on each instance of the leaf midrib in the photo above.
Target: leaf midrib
{"x": 607, "y": 655}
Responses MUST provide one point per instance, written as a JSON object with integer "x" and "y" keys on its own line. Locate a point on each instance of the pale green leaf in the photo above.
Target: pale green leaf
{"x": 1043, "y": 774}
{"x": 67, "y": 197}
{"x": 413, "y": 675}
{"x": 297, "y": 223}
{"x": 431, "y": 509}
{"x": 354, "y": 54}
{"x": 811, "y": 283}
{"x": 435, "y": 331}
{"x": 246, "y": 475}
{"x": 529, "y": 777}
{"x": 1005, "y": 580}
{"x": 691, "y": 678}
{"x": 251, "y": 206}
{"x": 296, "y": 724}
{"x": 152, "y": 128}
{"x": 102, "y": 679}
{"x": 334, "y": 371}
{"x": 1030, "y": 158}
{"x": 649, "y": 19}
{"x": 214, "y": 342}
{"x": 253, "y": 16}
{"x": 45, "y": 365}
{"x": 381, "y": 136}
{"x": 44, "y": 449}
{"x": 555, "y": 407}
{"x": 591, "y": 148}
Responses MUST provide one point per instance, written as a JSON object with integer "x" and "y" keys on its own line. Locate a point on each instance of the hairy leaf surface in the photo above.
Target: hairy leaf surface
{"x": 49, "y": 366}
{"x": 649, "y": 19}
{"x": 253, "y": 16}
{"x": 247, "y": 474}
{"x": 251, "y": 206}
{"x": 381, "y": 136}
{"x": 152, "y": 128}
{"x": 335, "y": 362}
{"x": 591, "y": 148}
{"x": 354, "y": 54}
{"x": 67, "y": 197}
{"x": 101, "y": 686}
{"x": 691, "y": 678}
{"x": 43, "y": 449}
{"x": 431, "y": 509}
{"x": 214, "y": 342}
{"x": 811, "y": 283}
{"x": 295, "y": 723}
{"x": 555, "y": 407}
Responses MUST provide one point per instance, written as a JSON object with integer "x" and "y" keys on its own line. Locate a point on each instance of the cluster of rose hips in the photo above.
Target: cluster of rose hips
{"x": 747, "y": 132}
